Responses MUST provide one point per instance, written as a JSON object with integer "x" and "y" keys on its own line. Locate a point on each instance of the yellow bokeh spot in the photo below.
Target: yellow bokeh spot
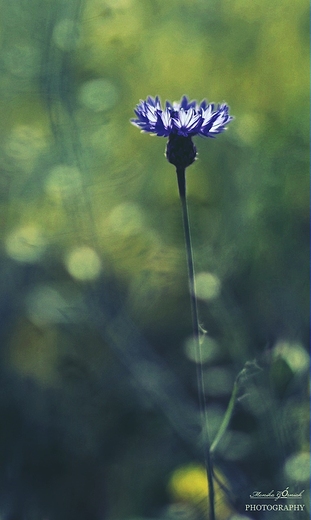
{"x": 207, "y": 286}
{"x": 98, "y": 95}
{"x": 295, "y": 355}
{"x": 297, "y": 467}
{"x": 109, "y": 30}
{"x": 24, "y": 144}
{"x": 126, "y": 219}
{"x": 209, "y": 349}
{"x": 189, "y": 484}
{"x": 63, "y": 181}
{"x": 25, "y": 244}
{"x": 83, "y": 263}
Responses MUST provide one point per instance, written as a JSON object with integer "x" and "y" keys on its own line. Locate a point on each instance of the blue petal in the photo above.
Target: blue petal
{"x": 184, "y": 103}
{"x": 186, "y": 118}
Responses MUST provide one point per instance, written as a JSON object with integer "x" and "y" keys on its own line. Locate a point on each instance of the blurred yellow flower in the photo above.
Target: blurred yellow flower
{"x": 188, "y": 483}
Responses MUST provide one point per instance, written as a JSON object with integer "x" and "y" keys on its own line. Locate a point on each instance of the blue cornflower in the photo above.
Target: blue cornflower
{"x": 187, "y": 118}
{"x": 180, "y": 122}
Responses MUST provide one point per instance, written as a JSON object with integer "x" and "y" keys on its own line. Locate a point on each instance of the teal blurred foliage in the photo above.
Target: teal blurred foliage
{"x": 98, "y": 376}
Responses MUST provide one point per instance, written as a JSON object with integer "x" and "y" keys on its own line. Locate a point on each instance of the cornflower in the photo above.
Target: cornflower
{"x": 180, "y": 122}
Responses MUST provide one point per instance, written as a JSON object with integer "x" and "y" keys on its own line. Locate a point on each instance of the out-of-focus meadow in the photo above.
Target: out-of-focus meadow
{"x": 98, "y": 375}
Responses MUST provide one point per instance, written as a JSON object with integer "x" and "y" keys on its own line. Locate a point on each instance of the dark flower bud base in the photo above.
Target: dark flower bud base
{"x": 180, "y": 151}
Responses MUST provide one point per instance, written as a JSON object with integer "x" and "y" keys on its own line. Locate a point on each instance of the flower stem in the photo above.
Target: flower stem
{"x": 181, "y": 178}
{"x": 250, "y": 369}
{"x": 227, "y": 417}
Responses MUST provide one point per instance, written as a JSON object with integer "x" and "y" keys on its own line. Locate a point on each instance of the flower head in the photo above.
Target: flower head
{"x": 185, "y": 119}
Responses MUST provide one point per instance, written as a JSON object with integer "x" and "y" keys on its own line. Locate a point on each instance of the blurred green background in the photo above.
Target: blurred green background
{"x": 98, "y": 374}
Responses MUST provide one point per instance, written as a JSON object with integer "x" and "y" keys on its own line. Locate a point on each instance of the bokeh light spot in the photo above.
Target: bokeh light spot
{"x": 25, "y": 244}
{"x": 22, "y": 60}
{"x": 45, "y": 305}
{"x": 293, "y": 354}
{"x": 25, "y": 143}
{"x": 189, "y": 484}
{"x": 63, "y": 180}
{"x": 98, "y": 95}
{"x": 66, "y": 35}
{"x": 207, "y": 286}
{"x": 209, "y": 349}
{"x": 126, "y": 219}
{"x": 83, "y": 263}
{"x": 297, "y": 467}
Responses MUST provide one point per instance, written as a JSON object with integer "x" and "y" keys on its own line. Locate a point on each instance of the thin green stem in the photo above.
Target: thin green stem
{"x": 227, "y": 417}
{"x": 181, "y": 178}
{"x": 250, "y": 369}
